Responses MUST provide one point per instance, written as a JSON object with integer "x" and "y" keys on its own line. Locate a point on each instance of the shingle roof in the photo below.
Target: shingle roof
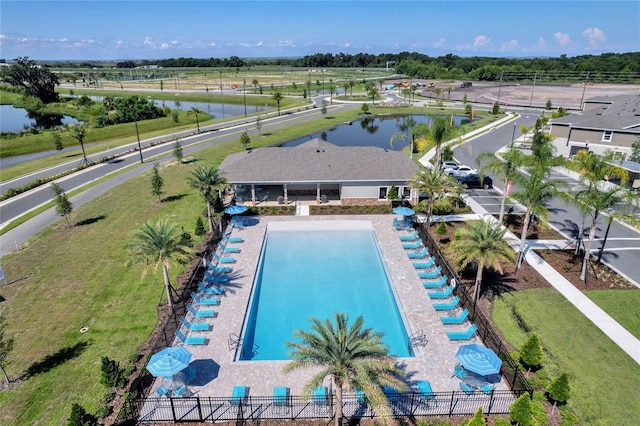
{"x": 318, "y": 161}
{"x": 620, "y": 112}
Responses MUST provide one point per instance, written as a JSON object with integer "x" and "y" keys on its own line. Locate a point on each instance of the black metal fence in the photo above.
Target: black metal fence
{"x": 250, "y": 408}
{"x": 510, "y": 370}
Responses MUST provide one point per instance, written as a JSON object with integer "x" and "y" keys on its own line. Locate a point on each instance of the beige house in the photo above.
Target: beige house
{"x": 606, "y": 123}
{"x": 320, "y": 172}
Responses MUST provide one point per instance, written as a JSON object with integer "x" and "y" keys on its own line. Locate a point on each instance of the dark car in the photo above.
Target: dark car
{"x": 473, "y": 181}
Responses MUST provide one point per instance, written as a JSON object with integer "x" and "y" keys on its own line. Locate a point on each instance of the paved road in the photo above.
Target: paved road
{"x": 622, "y": 250}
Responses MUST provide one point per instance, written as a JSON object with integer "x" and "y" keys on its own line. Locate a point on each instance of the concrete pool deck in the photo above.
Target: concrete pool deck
{"x": 216, "y": 370}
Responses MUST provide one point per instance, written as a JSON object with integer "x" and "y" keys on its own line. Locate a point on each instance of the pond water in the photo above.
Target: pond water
{"x": 14, "y": 119}
{"x": 371, "y": 131}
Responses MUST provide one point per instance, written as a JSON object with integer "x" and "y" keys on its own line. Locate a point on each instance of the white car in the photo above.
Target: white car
{"x": 449, "y": 164}
{"x": 460, "y": 171}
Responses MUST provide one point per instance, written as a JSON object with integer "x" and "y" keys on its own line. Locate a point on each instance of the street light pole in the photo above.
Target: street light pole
{"x": 513, "y": 136}
{"x": 244, "y": 94}
{"x": 135, "y": 120}
{"x": 220, "y": 82}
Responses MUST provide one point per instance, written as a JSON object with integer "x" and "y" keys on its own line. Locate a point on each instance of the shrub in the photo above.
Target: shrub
{"x": 442, "y": 206}
{"x": 520, "y": 411}
{"x": 80, "y": 417}
{"x": 567, "y": 418}
{"x": 199, "y": 231}
{"x": 559, "y": 391}
{"x": 112, "y": 374}
{"x": 477, "y": 419}
{"x": 393, "y": 193}
{"x": 499, "y": 421}
{"x": 531, "y": 353}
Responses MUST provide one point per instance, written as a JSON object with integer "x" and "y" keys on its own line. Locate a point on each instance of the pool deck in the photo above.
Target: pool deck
{"x": 216, "y": 370}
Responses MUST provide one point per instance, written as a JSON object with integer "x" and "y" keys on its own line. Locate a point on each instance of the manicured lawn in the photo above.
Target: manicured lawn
{"x": 623, "y": 306}
{"x": 604, "y": 380}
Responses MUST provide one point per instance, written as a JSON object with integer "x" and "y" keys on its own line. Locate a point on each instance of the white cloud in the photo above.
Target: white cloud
{"x": 212, "y": 44}
{"x": 2, "y": 36}
{"x": 562, "y": 39}
{"x": 596, "y": 37}
{"x": 286, "y": 43}
{"x": 164, "y": 46}
{"x": 260, "y": 44}
{"x": 481, "y": 41}
{"x": 148, "y": 41}
{"x": 510, "y": 46}
{"x": 439, "y": 43}
{"x": 174, "y": 42}
{"x": 347, "y": 45}
{"x": 62, "y": 40}
{"x": 541, "y": 43}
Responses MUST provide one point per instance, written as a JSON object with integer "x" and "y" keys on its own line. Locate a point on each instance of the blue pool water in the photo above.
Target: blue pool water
{"x": 306, "y": 274}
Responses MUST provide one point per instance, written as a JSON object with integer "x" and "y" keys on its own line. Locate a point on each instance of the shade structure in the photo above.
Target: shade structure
{"x": 169, "y": 361}
{"x": 233, "y": 210}
{"x": 404, "y": 211}
{"x": 478, "y": 359}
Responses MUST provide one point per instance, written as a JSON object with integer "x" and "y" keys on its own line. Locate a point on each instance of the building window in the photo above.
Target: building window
{"x": 406, "y": 192}
{"x": 382, "y": 193}
{"x": 607, "y": 135}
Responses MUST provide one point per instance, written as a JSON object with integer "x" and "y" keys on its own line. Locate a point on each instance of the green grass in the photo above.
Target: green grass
{"x": 604, "y": 379}
{"x": 623, "y": 306}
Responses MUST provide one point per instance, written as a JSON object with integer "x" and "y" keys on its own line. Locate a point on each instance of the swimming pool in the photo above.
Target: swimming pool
{"x": 317, "y": 272}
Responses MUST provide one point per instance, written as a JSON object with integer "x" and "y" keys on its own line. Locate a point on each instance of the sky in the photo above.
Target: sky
{"x": 148, "y": 29}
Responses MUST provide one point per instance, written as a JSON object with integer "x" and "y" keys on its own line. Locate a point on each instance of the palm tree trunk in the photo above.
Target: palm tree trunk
{"x": 197, "y": 124}
{"x": 85, "y": 160}
{"x": 429, "y": 210}
{"x": 476, "y": 295}
{"x": 167, "y": 284}
{"x": 338, "y": 421}
{"x": 587, "y": 252}
{"x": 502, "y": 205}
{"x": 604, "y": 241}
{"x": 209, "y": 216}
{"x": 523, "y": 237}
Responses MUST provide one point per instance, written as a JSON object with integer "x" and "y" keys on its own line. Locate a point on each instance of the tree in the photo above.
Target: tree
{"x": 350, "y": 355}
{"x": 177, "y": 151}
{"x": 158, "y": 244}
{"x": 412, "y": 131}
{"x": 364, "y": 108}
{"x": 80, "y": 417}
{"x": 63, "y": 205}
{"x": 439, "y": 131}
{"x": 277, "y": 96}
{"x": 174, "y": 116}
{"x": 481, "y": 243}
{"x": 635, "y": 151}
{"x": 79, "y": 132}
{"x": 559, "y": 391}
{"x": 156, "y": 181}
{"x": 531, "y": 353}
{"x": 520, "y": 411}
{"x": 441, "y": 230}
{"x": 332, "y": 90}
{"x": 477, "y": 419}
{"x": 196, "y": 112}
{"x": 36, "y": 80}
{"x": 209, "y": 181}
{"x": 245, "y": 139}
{"x": 6, "y": 346}
{"x": 549, "y": 105}
{"x": 255, "y": 85}
{"x": 57, "y": 142}
{"x": 393, "y": 193}
{"x": 434, "y": 182}
{"x": 259, "y": 125}
{"x": 199, "y": 231}
{"x": 323, "y": 109}
{"x": 594, "y": 168}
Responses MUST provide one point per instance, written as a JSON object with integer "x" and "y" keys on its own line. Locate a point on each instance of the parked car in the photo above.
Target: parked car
{"x": 449, "y": 164}
{"x": 460, "y": 171}
{"x": 473, "y": 181}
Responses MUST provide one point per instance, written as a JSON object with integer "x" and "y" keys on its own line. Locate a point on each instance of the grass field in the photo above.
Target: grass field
{"x": 604, "y": 380}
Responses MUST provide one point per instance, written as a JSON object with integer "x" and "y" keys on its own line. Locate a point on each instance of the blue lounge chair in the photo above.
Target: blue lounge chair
{"x": 198, "y": 326}
{"x": 426, "y": 393}
{"x": 181, "y": 391}
{"x": 217, "y": 269}
{"x": 320, "y": 395}
{"x": 412, "y": 246}
{"x": 441, "y": 294}
{"x": 459, "y": 372}
{"x": 419, "y": 255}
{"x": 425, "y": 265}
{"x": 280, "y": 395}
{"x": 487, "y": 388}
{"x": 205, "y": 301}
{"x": 457, "y": 319}
{"x": 212, "y": 278}
{"x": 238, "y": 395}
{"x": 225, "y": 249}
{"x": 448, "y": 305}
{"x": 162, "y": 391}
{"x": 205, "y": 288}
{"x": 466, "y": 388}
{"x": 410, "y": 237}
{"x": 190, "y": 340}
{"x": 396, "y": 224}
{"x": 430, "y": 274}
{"x": 228, "y": 238}
{"x": 436, "y": 284}
{"x": 237, "y": 222}
{"x": 201, "y": 313}
{"x": 462, "y": 335}
{"x": 222, "y": 259}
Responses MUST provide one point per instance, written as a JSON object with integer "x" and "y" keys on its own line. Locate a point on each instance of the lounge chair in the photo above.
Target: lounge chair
{"x": 320, "y": 395}
{"x": 425, "y": 265}
{"x": 412, "y": 246}
{"x": 462, "y": 317}
{"x": 212, "y": 278}
{"x": 459, "y": 372}
{"x": 448, "y": 305}
{"x": 239, "y": 394}
{"x": 441, "y": 294}
{"x": 181, "y": 391}
{"x": 225, "y": 249}
{"x": 466, "y": 388}
{"x": 419, "y": 255}
{"x": 222, "y": 259}
{"x": 436, "y": 284}
{"x": 396, "y": 224}
{"x": 201, "y": 313}
{"x": 190, "y": 340}
{"x": 162, "y": 391}
{"x": 426, "y": 393}
{"x": 430, "y": 274}
{"x": 411, "y": 237}
{"x": 227, "y": 237}
{"x": 198, "y": 326}
{"x": 361, "y": 398}
{"x": 280, "y": 396}
{"x": 462, "y": 335}
{"x": 487, "y": 388}
{"x": 205, "y": 301}
{"x": 205, "y": 288}
{"x": 217, "y": 269}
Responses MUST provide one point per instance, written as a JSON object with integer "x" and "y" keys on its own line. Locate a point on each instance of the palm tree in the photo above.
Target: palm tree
{"x": 351, "y": 356}
{"x": 156, "y": 244}
{"x": 277, "y": 96}
{"x": 208, "y": 179}
{"x": 481, "y": 243}
{"x": 195, "y": 111}
{"x": 412, "y": 131}
{"x": 434, "y": 182}
{"x": 255, "y": 85}
{"x": 79, "y": 132}
{"x": 440, "y": 129}
{"x": 595, "y": 168}
{"x": 332, "y": 90}
{"x": 506, "y": 168}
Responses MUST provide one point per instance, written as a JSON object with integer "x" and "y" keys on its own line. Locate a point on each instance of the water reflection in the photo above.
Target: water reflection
{"x": 14, "y": 119}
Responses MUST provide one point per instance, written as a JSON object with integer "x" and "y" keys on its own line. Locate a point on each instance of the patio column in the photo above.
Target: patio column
{"x": 318, "y": 199}
{"x": 253, "y": 194}
{"x": 286, "y": 198}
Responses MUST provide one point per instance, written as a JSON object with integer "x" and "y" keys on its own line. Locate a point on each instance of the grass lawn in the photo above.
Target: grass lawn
{"x": 623, "y": 306}
{"x": 604, "y": 380}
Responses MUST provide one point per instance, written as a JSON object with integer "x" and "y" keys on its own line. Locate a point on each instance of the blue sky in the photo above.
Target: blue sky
{"x": 93, "y": 30}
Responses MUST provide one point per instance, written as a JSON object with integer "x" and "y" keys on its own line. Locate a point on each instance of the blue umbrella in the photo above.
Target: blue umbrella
{"x": 169, "y": 361}
{"x": 404, "y": 211}
{"x": 478, "y": 359}
{"x": 233, "y": 210}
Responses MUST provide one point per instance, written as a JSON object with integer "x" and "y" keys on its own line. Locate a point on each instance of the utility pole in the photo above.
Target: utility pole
{"x": 586, "y": 79}
{"x": 533, "y": 88}
{"x": 500, "y": 90}
{"x": 244, "y": 94}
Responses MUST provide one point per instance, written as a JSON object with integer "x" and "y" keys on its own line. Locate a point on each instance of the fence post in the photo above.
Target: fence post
{"x": 451, "y": 404}
{"x": 173, "y": 410}
{"x": 199, "y": 408}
